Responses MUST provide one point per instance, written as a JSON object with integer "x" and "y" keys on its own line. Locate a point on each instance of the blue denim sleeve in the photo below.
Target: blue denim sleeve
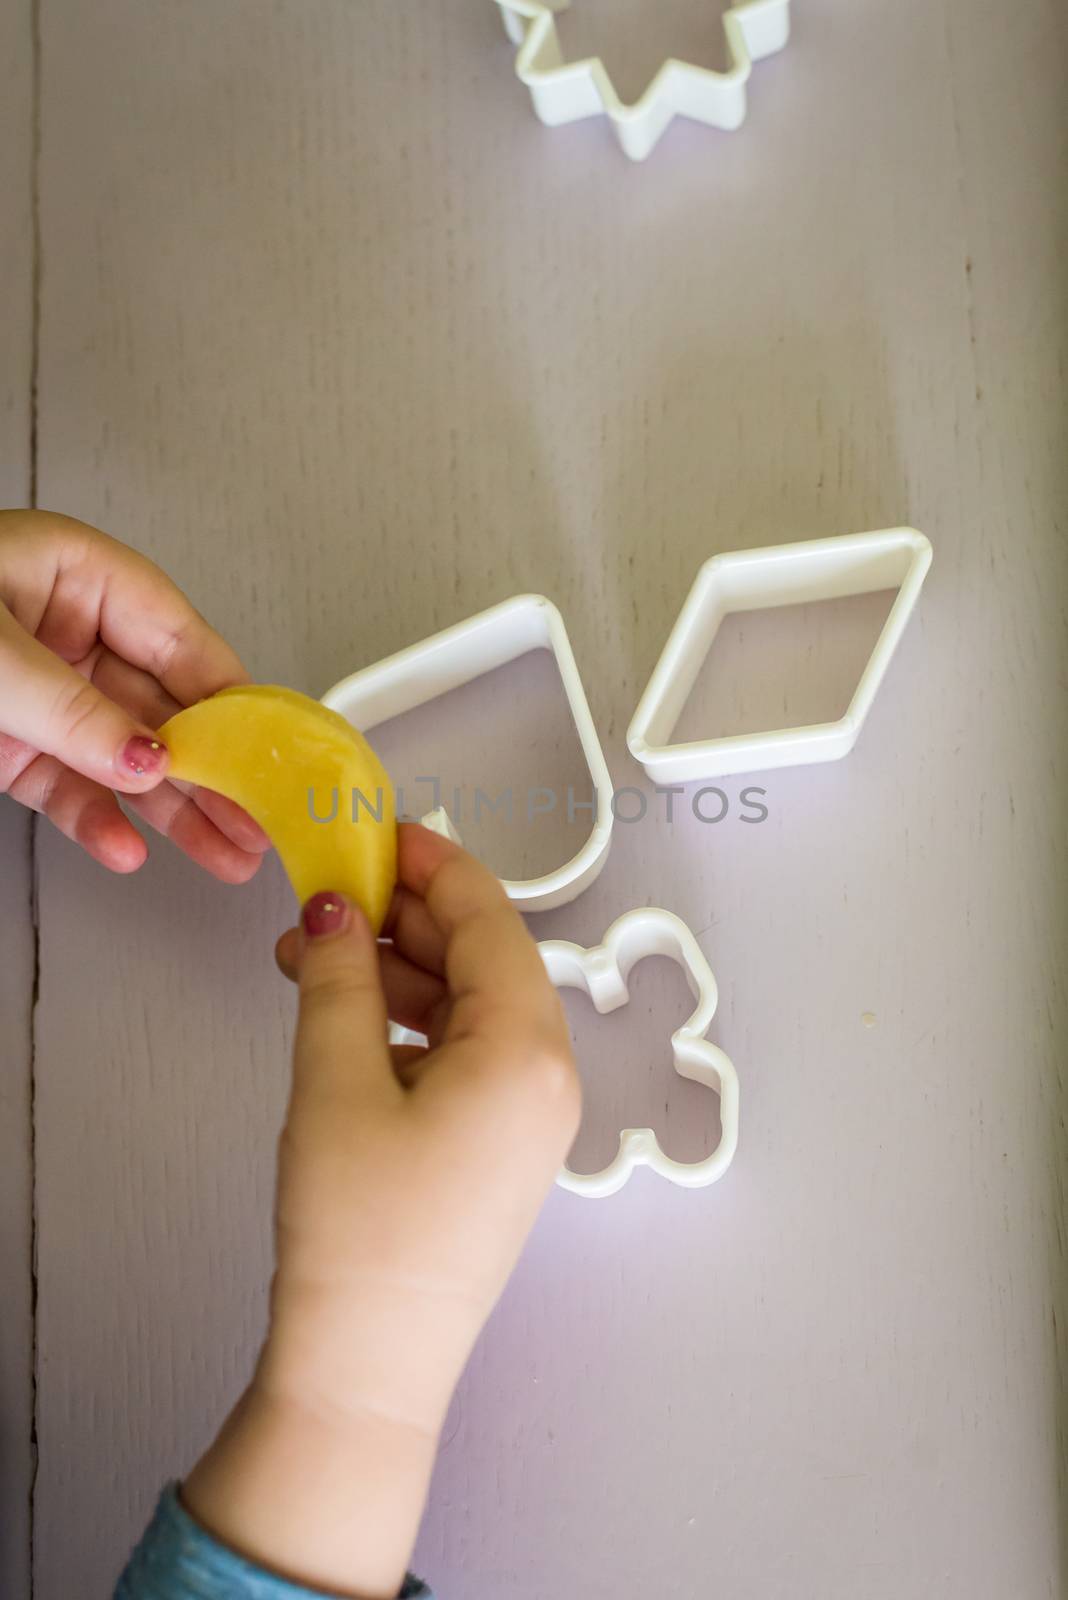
{"x": 177, "y": 1560}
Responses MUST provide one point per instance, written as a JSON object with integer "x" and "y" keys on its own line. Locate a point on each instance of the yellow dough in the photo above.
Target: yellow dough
{"x": 287, "y": 760}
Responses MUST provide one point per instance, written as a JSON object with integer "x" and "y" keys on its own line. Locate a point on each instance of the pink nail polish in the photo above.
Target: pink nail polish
{"x": 325, "y": 913}
{"x": 144, "y": 757}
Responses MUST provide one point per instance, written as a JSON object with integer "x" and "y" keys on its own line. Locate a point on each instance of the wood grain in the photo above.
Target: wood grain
{"x": 16, "y": 929}
{"x": 334, "y": 330}
{"x": 16, "y": 1204}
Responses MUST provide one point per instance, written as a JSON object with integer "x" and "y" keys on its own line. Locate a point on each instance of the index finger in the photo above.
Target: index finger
{"x": 494, "y": 972}
{"x": 146, "y": 619}
{"x": 124, "y": 597}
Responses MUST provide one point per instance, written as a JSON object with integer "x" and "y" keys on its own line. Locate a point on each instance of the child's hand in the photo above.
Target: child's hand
{"x": 407, "y": 1185}
{"x": 97, "y": 648}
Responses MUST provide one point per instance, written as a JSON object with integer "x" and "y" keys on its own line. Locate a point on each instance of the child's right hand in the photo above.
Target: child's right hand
{"x": 408, "y": 1181}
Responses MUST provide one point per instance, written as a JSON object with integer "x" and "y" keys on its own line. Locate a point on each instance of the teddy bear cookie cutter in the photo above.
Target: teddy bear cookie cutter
{"x": 602, "y": 971}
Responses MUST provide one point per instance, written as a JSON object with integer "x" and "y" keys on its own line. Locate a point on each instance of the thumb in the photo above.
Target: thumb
{"x": 51, "y": 707}
{"x": 342, "y": 1039}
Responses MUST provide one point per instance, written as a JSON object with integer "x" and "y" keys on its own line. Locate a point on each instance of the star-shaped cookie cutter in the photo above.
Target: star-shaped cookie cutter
{"x": 566, "y": 91}
{"x": 602, "y": 971}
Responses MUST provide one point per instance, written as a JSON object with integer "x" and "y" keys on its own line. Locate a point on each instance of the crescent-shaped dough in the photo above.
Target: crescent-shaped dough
{"x": 309, "y": 779}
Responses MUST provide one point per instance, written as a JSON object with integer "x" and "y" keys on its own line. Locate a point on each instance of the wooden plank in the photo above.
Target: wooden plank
{"x": 16, "y": 927}
{"x": 338, "y": 333}
{"x": 16, "y": 1204}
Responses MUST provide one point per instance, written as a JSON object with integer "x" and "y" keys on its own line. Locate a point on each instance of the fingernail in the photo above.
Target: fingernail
{"x": 325, "y": 913}
{"x": 144, "y": 757}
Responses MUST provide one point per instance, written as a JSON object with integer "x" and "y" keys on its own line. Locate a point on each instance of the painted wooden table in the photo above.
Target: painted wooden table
{"x": 299, "y": 299}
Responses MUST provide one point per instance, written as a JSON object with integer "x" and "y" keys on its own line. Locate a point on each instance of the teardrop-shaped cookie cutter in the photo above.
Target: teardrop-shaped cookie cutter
{"x": 462, "y": 653}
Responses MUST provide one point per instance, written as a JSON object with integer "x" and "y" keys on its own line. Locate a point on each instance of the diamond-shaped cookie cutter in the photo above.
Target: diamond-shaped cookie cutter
{"x": 456, "y": 656}
{"x": 566, "y": 91}
{"x": 751, "y": 580}
{"x": 602, "y": 971}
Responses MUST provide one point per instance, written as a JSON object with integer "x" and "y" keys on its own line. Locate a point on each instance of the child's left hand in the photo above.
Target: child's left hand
{"x": 408, "y": 1181}
{"x": 97, "y": 649}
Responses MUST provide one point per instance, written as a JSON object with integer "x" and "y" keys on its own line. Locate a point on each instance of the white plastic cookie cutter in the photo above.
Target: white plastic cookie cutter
{"x": 751, "y": 580}
{"x": 564, "y": 91}
{"x": 457, "y": 656}
{"x": 602, "y": 972}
